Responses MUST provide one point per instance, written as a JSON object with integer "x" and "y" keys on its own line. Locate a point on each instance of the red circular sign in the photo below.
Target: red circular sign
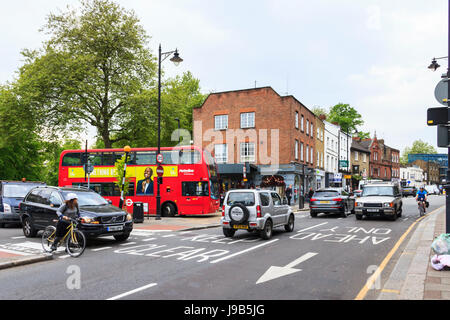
{"x": 159, "y": 158}
{"x": 160, "y": 171}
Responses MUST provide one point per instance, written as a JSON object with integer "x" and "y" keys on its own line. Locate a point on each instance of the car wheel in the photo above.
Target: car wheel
{"x": 238, "y": 213}
{"x": 2, "y": 225}
{"x": 313, "y": 214}
{"x": 28, "y": 228}
{"x": 358, "y": 216}
{"x": 393, "y": 217}
{"x": 122, "y": 237}
{"x": 399, "y": 212}
{"x": 228, "y": 232}
{"x": 290, "y": 226}
{"x": 169, "y": 210}
{"x": 266, "y": 232}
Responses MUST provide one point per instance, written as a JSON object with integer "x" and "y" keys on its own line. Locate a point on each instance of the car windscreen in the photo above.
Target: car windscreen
{"x": 245, "y": 198}
{"x": 17, "y": 190}
{"x": 378, "y": 191}
{"x": 325, "y": 194}
{"x": 87, "y": 198}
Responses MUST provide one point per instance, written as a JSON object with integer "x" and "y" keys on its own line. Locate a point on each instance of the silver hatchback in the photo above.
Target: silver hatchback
{"x": 255, "y": 210}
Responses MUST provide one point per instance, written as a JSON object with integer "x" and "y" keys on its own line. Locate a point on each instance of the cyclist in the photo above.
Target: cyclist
{"x": 421, "y": 197}
{"x": 67, "y": 211}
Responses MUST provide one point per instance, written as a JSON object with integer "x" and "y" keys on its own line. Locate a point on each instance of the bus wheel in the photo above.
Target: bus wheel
{"x": 169, "y": 210}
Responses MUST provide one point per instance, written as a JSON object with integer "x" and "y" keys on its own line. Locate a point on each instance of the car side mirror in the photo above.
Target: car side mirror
{"x": 285, "y": 201}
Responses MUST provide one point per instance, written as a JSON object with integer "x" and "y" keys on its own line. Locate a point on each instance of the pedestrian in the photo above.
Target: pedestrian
{"x": 289, "y": 193}
{"x": 310, "y": 194}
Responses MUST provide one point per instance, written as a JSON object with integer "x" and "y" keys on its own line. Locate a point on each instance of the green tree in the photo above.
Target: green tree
{"x": 346, "y": 116}
{"x": 120, "y": 168}
{"x": 20, "y": 146}
{"x": 319, "y": 111}
{"x": 91, "y": 68}
{"x": 418, "y": 146}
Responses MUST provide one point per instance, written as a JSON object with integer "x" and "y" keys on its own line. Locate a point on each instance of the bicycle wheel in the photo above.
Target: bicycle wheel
{"x": 421, "y": 210}
{"x": 76, "y": 243}
{"x": 47, "y": 238}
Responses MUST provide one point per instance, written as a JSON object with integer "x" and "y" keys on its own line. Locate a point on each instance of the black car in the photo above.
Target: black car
{"x": 11, "y": 194}
{"x": 98, "y": 216}
{"x": 332, "y": 200}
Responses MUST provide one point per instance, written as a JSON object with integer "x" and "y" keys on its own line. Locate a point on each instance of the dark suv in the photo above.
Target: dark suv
{"x": 11, "y": 194}
{"x": 98, "y": 216}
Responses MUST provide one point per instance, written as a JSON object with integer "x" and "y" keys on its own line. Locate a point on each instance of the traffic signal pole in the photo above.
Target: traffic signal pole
{"x": 447, "y": 182}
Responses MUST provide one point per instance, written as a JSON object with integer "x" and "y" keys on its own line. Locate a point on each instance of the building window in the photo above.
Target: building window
{"x": 307, "y": 127}
{"x": 221, "y": 153}
{"x": 221, "y": 122}
{"x": 247, "y": 120}
{"x": 248, "y": 152}
{"x": 296, "y": 119}
{"x": 312, "y": 155}
{"x": 307, "y": 154}
{"x": 364, "y": 157}
{"x": 356, "y": 155}
{"x": 301, "y": 152}
{"x": 301, "y": 124}
{"x": 296, "y": 150}
{"x": 312, "y": 130}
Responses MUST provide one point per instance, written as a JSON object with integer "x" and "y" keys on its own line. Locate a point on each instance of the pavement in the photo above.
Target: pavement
{"x": 412, "y": 277}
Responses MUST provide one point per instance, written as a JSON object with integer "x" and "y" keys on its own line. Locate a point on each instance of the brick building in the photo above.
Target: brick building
{"x": 269, "y": 135}
{"x": 359, "y": 158}
{"x": 430, "y": 171}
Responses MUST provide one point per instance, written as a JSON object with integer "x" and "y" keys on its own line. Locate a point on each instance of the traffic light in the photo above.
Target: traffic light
{"x": 442, "y": 136}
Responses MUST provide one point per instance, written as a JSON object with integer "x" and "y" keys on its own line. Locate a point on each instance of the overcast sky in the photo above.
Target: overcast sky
{"x": 372, "y": 54}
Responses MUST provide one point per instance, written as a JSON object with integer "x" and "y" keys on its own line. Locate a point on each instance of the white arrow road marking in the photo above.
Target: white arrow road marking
{"x": 276, "y": 272}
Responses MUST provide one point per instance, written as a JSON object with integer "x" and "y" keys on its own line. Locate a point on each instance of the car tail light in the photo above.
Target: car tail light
{"x": 313, "y": 199}
{"x": 337, "y": 199}
{"x": 223, "y": 211}
{"x": 258, "y": 211}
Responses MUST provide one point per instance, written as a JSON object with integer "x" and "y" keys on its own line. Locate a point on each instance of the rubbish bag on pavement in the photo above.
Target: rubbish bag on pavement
{"x": 441, "y": 245}
{"x": 440, "y": 262}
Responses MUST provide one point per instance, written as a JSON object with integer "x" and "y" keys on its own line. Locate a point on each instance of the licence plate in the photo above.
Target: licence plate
{"x": 240, "y": 226}
{"x": 114, "y": 228}
{"x": 372, "y": 210}
{"x": 324, "y": 202}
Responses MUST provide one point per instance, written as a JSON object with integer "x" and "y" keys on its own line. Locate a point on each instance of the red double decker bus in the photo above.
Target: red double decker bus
{"x": 190, "y": 182}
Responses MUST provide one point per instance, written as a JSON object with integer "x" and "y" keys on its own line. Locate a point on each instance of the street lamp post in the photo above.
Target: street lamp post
{"x": 179, "y": 127}
{"x": 176, "y": 60}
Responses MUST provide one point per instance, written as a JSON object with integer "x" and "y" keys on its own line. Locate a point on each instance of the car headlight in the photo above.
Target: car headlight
{"x": 6, "y": 208}
{"x": 388, "y": 205}
{"x": 89, "y": 220}
{"x": 129, "y": 217}
{"x": 359, "y": 204}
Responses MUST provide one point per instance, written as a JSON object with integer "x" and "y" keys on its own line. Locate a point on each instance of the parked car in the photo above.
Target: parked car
{"x": 98, "y": 216}
{"x": 332, "y": 200}
{"x": 255, "y": 210}
{"x": 380, "y": 200}
{"x": 11, "y": 194}
{"x": 409, "y": 191}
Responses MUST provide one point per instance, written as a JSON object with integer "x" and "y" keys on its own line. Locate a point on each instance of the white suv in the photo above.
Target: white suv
{"x": 260, "y": 210}
{"x": 379, "y": 199}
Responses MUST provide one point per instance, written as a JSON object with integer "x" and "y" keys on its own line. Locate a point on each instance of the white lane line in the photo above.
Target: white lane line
{"x": 132, "y": 291}
{"x": 148, "y": 239}
{"x": 21, "y": 237}
{"x": 65, "y": 256}
{"x": 312, "y": 227}
{"x": 100, "y": 249}
{"x": 128, "y": 243}
{"x": 244, "y": 251}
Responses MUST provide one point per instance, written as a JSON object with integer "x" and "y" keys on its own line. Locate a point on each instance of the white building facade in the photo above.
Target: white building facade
{"x": 413, "y": 176}
{"x": 331, "y": 155}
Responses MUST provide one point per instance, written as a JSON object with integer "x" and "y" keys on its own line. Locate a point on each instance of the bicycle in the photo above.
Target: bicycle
{"x": 421, "y": 204}
{"x": 74, "y": 239}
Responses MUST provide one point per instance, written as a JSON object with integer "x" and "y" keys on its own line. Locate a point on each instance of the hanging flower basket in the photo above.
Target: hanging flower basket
{"x": 273, "y": 181}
